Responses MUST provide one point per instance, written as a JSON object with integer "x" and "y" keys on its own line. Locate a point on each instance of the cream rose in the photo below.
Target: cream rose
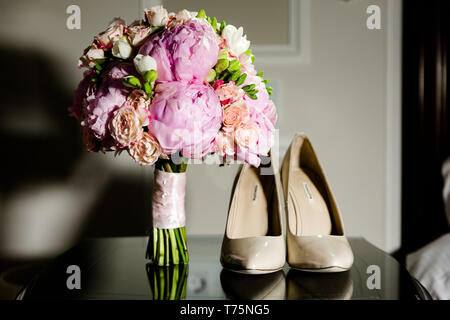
{"x": 137, "y": 33}
{"x": 146, "y": 150}
{"x": 246, "y": 135}
{"x": 235, "y": 39}
{"x": 121, "y": 49}
{"x": 113, "y": 33}
{"x": 125, "y": 126}
{"x": 157, "y": 16}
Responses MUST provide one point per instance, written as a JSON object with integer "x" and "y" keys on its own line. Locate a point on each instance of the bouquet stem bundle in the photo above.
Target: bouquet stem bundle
{"x": 168, "y": 246}
{"x": 168, "y": 283}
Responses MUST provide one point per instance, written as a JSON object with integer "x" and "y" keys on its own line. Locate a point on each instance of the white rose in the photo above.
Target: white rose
{"x": 144, "y": 63}
{"x": 236, "y": 40}
{"x": 157, "y": 16}
{"x": 121, "y": 49}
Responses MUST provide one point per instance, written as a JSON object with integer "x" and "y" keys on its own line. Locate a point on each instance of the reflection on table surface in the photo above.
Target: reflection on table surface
{"x": 115, "y": 268}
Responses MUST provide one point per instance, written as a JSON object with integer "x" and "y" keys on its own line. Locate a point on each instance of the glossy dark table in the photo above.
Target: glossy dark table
{"x": 115, "y": 268}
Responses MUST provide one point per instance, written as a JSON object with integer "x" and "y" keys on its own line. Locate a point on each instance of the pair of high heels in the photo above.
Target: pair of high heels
{"x": 253, "y": 242}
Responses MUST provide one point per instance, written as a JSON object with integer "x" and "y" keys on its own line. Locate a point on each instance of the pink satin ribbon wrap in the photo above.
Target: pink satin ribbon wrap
{"x": 168, "y": 200}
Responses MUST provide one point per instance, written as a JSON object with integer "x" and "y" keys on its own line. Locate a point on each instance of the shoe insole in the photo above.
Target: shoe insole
{"x": 308, "y": 208}
{"x": 249, "y": 213}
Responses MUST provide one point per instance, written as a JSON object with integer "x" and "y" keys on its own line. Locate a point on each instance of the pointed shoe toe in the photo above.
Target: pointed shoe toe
{"x": 315, "y": 230}
{"x": 319, "y": 253}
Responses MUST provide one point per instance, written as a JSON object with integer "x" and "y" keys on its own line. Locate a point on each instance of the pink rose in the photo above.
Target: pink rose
{"x": 234, "y": 115}
{"x": 225, "y": 144}
{"x": 229, "y": 92}
{"x": 91, "y": 56}
{"x": 186, "y": 117}
{"x": 146, "y": 150}
{"x": 139, "y": 100}
{"x": 126, "y": 126}
{"x": 113, "y": 33}
{"x": 186, "y": 52}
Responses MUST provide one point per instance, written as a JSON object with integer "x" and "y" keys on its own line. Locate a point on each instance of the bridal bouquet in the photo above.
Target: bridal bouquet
{"x": 172, "y": 87}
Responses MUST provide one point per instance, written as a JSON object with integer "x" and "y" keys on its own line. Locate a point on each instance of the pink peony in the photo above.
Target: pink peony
{"x": 110, "y": 96}
{"x": 263, "y": 97}
{"x": 186, "y": 117}
{"x": 79, "y": 100}
{"x": 185, "y": 52}
{"x": 246, "y": 65}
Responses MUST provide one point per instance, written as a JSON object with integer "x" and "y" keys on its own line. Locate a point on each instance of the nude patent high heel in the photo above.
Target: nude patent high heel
{"x": 253, "y": 242}
{"x": 315, "y": 230}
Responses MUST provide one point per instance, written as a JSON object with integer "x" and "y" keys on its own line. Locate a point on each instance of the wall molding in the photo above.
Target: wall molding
{"x": 393, "y": 126}
{"x": 296, "y": 51}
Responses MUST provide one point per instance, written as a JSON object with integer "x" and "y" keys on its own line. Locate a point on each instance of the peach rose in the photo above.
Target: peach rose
{"x": 229, "y": 92}
{"x": 246, "y": 135}
{"x": 138, "y": 99}
{"x": 234, "y": 115}
{"x": 146, "y": 150}
{"x": 125, "y": 126}
{"x": 225, "y": 144}
{"x": 113, "y": 33}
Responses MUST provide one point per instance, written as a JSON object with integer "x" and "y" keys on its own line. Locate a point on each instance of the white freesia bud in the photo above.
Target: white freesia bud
{"x": 156, "y": 16}
{"x": 121, "y": 49}
{"x": 144, "y": 63}
{"x": 236, "y": 40}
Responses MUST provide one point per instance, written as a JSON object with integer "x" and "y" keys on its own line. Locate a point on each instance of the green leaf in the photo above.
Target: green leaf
{"x": 214, "y": 23}
{"x": 260, "y": 74}
{"x": 98, "y": 67}
{"x": 222, "y": 26}
{"x": 224, "y": 75}
{"x": 209, "y": 20}
{"x": 253, "y": 59}
{"x": 201, "y": 14}
{"x": 241, "y": 79}
{"x": 266, "y": 81}
{"x": 234, "y": 65}
{"x": 94, "y": 80}
{"x": 235, "y": 75}
{"x": 248, "y": 52}
{"x": 248, "y": 87}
